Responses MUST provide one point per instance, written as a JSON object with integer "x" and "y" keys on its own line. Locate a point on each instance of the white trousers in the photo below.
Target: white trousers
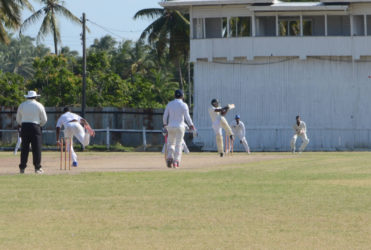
{"x": 244, "y": 143}
{"x": 305, "y": 140}
{"x": 217, "y": 125}
{"x": 174, "y": 143}
{"x": 72, "y": 129}
{"x": 184, "y": 148}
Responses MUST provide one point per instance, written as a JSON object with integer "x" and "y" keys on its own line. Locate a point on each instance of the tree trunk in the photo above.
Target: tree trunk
{"x": 55, "y": 43}
{"x": 180, "y": 76}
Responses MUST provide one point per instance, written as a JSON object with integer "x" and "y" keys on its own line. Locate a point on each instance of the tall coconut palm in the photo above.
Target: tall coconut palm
{"x": 10, "y": 16}
{"x": 49, "y": 12}
{"x": 169, "y": 29}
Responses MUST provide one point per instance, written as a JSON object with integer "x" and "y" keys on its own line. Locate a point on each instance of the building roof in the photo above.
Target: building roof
{"x": 186, "y": 3}
{"x": 298, "y": 6}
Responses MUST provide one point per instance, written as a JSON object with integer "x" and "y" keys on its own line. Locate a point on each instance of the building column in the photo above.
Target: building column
{"x": 326, "y": 25}
{"x": 253, "y": 25}
{"x": 277, "y": 29}
{"x": 301, "y": 24}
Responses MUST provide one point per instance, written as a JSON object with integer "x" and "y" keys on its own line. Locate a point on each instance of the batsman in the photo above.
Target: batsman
{"x": 217, "y": 114}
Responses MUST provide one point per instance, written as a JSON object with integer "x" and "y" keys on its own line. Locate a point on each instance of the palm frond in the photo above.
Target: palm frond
{"x": 59, "y": 9}
{"x": 32, "y": 19}
{"x": 149, "y": 13}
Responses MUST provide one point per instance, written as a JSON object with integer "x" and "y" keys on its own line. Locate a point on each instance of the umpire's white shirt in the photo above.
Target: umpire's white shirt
{"x": 238, "y": 129}
{"x": 31, "y": 111}
{"x": 175, "y": 113}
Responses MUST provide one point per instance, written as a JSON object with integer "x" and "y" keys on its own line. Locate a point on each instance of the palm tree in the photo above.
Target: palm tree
{"x": 50, "y": 23}
{"x": 10, "y": 16}
{"x": 170, "y": 29}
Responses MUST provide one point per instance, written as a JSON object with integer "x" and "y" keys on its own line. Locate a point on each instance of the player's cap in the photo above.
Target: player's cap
{"x": 178, "y": 93}
{"x": 214, "y": 101}
{"x": 237, "y": 117}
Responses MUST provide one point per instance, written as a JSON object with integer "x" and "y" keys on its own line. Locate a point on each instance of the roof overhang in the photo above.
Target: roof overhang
{"x": 189, "y": 3}
{"x": 300, "y": 6}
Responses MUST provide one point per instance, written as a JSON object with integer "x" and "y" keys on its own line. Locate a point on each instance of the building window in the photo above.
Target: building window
{"x": 338, "y": 25}
{"x": 265, "y": 25}
{"x": 358, "y": 25}
{"x": 368, "y": 25}
{"x": 240, "y": 26}
{"x": 224, "y": 27}
{"x": 213, "y": 27}
{"x": 289, "y": 26}
{"x": 198, "y": 28}
{"x": 313, "y": 26}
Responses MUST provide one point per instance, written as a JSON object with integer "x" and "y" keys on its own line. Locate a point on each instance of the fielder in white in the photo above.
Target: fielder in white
{"x": 72, "y": 127}
{"x": 218, "y": 122}
{"x": 300, "y": 129}
{"x": 173, "y": 120}
{"x": 238, "y": 129}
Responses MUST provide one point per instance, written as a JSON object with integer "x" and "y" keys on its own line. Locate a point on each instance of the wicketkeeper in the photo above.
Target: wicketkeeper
{"x": 238, "y": 129}
{"x": 217, "y": 114}
{"x": 300, "y": 129}
{"x": 175, "y": 113}
{"x": 72, "y": 127}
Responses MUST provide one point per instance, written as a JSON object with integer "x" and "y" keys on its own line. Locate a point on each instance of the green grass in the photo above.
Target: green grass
{"x": 315, "y": 201}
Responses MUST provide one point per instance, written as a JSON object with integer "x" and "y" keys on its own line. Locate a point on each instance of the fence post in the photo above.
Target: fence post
{"x": 107, "y": 138}
{"x": 144, "y": 138}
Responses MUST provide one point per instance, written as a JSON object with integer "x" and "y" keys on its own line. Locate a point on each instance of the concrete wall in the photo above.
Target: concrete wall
{"x": 331, "y": 94}
{"x": 99, "y": 118}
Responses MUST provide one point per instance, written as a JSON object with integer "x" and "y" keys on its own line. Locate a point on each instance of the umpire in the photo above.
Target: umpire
{"x": 31, "y": 117}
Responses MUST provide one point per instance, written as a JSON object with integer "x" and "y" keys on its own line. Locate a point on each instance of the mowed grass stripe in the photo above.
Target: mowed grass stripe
{"x": 315, "y": 200}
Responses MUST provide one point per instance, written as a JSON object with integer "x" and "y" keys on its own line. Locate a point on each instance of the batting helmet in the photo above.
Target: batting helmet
{"x": 214, "y": 101}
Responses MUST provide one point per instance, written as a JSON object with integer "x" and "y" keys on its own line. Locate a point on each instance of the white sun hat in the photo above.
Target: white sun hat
{"x": 31, "y": 94}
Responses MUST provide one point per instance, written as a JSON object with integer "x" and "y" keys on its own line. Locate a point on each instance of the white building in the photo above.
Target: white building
{"x": 276, "y": 60}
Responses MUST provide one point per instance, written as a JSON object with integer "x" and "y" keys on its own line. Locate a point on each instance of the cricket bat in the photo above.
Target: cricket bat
{"x": 231, "y": 106}
{"x": 18, "y": 145}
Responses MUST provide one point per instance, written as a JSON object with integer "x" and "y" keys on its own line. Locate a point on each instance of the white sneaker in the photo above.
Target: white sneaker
{"x": 39, "y": 171}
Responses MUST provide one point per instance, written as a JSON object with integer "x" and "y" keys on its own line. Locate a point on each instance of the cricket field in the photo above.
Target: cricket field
{"x": 319, "y": 200}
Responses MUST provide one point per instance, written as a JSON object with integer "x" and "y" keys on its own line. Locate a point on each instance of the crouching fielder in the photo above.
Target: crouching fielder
{"x": 72, "y": 127}
{"x": 175, "y": 113}
{"x": 238, "y": 129}
{"x": 218, "y": 122}
{"x": 300, "y": 129}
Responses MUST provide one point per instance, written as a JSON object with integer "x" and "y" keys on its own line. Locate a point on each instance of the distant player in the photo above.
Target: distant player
{"x": 300, "y": 129}
{"x": 238, "y": 129}
{"x": 72, "y": 127}
{"x": 175, "y": 113}
{"x": 217, "y": 114}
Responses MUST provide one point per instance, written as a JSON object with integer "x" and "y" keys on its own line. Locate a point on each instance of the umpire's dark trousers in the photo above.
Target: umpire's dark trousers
{"x": 31, "y": 133}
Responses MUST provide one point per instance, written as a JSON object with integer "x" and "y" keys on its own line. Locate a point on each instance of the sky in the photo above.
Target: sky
{"x": 116, "y": 16}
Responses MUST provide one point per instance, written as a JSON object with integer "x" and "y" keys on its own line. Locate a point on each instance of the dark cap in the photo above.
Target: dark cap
{"x": 178, "y": 93}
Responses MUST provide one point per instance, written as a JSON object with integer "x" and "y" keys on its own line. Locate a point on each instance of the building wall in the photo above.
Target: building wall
{"x": 332, "y": 95}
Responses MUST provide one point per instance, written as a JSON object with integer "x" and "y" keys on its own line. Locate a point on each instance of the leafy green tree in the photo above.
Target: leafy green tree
{"x": 18, "y": 56}
{"x": 169, "y": 29}
{"x": 10, "y": 16}
{"x": 56, "y": 83}
{"x": 104, "y": 87}
{"x": 12, "y": 89}
{"x": 49, "y": 13}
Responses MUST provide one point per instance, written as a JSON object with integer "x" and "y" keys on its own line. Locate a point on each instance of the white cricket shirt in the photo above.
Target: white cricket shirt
{"x": 175, "y": 113}
{"x": 66, "y": 118}
{"x": 302, "y": 126}
{"x": 214, "y": 115}
{"x": 238, "y": 129}
{"x": 31, "y": 111}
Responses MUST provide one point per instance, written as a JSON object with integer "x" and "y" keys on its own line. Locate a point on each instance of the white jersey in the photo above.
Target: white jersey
{"x": 302, "y": 128}
{"x": 176, "y": 113}
{"x": 66, "y": 118}
{"x": 214, "y": 115}
{"x": 238, "y": 129}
